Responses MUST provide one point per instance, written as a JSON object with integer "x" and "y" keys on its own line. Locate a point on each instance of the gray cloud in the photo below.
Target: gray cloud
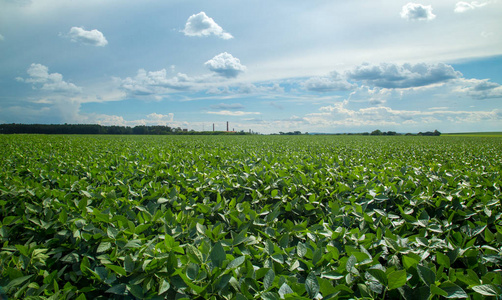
{"x": 224, "y": 64}
{"x": 334, "y": 82}
{"x": 89, "y": 37}
{"x": 202, "y": 25}
{"x": 416, "y": 11}
{"x": 484, "y": 89}
{"x": 403, "y": 76}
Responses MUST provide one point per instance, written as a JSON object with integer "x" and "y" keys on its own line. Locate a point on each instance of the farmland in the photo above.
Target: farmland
{"x": 250, "y": 217}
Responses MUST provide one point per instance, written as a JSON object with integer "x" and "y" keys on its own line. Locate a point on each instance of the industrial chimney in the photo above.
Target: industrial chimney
{"x": 227, "y": 125}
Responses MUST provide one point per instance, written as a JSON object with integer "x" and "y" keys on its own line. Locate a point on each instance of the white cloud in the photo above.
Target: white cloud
{"x": 334, "y": 82}
{"x": 224, "y": 64}
{"x": 403, "y": 76}
{"x": 416, "y": 11}
{"x": 159, "y": 119}
{"x": 202, "y": 25}
{"x": 89, "y": 37}
{"x": 157, "y": 82}
{"x": 463, "y": 6}
{"x": 39, "y": 76}
{"x": 233, "y": 113}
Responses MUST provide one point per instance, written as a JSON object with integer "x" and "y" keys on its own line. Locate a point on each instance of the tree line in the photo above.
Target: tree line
{"x": 101, "y": 129}
{"x": 427, "y": 133}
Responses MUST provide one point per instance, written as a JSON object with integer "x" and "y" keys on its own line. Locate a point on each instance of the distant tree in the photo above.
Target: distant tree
{"x": 376, "y": 132}
{"x": 436, "y": 133}
{"x": 140, "y": 129}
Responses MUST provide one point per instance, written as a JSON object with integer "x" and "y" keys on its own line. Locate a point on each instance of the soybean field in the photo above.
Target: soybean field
{"x": 250, "y": 217}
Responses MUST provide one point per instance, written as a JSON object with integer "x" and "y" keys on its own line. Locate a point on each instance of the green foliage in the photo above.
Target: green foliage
{"x": 250, "y": 217}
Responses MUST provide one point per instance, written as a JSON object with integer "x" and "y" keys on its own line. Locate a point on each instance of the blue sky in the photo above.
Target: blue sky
{"x": 265, "y": 66}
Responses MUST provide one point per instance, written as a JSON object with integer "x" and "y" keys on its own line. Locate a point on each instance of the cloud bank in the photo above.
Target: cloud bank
{"x": 339, "y": 114}
{"x": 201, "y": 25}
{"x": 403, "y": 76}
{"x": 416, "y": 11}
{"x": 89, "y": 37}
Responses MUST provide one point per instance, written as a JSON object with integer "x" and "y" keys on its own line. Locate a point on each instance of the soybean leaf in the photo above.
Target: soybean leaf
{"x": 284, "y": 290}
{"x": 119, "y": 289}
{"x": 217, "y": 255}
{"x": 236, "y": 262}
{"x": 103, "y": 247}
{"x": 268, "y": 280}
{"x": 437, "y": 291}
{"x": 312, "y": 285}
{"x": 379, "y": 275}
{"x": 117, "y": 269}
{"x": 443, "y": 260}
{"x": 351, "y": 262}
{"x": 192, "y": 271}
{"x": 301, "y": 249}
{"x": 487, "y": 290}
{"x": 396, "y": 279}
{"x": 163, "y": 287}
{"x": 453, "y": 291}
{"x": 427, "y": 275}
{"x": 136, "y": 290}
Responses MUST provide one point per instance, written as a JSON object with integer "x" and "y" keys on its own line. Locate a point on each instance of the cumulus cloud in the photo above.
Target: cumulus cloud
{"x": 154, "y": 82}
{"x": 334, "y": 82}
{"x": 463, "y": 6}
{"x": 89, "y": 37}
{"x": 224, "y": 64}
{"x": 403, "y": 76}
{"x": 39, "y": 76}
{"x": 202, "y": 25}
{"x": 233, "y": 113}
{"x": 416, "y": 11}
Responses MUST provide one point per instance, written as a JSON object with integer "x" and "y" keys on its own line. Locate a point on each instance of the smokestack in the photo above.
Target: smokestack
{"x": 213, "y": 126}
{"x": 227, "y": 125}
